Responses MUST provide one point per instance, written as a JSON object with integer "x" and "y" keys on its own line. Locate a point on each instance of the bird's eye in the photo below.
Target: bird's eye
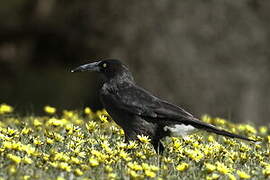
{"x": 104, "y": 65}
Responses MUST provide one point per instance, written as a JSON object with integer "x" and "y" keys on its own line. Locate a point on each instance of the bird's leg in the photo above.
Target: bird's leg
{"x": 127, "y": 137}
{"x": 158, "y": 146}
{"x": 127, "y": 140}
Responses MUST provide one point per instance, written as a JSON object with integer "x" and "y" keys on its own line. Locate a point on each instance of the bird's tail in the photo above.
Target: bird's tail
{"x": 211, "y": 128}
{"x": 228, "y": 134}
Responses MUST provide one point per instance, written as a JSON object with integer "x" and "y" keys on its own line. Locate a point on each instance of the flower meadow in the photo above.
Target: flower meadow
{"x": 83, "y": 144}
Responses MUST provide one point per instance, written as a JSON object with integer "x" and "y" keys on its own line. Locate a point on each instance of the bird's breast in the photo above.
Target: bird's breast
{"x": 110, "y": 104}
{"x": 131, "y": 123}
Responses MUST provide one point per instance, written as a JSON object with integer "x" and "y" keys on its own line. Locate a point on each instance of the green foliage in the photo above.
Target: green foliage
{"x": 89, "y": 145}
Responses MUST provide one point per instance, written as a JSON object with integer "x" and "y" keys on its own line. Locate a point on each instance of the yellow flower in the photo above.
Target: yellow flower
{"x": 88, "y": 111}
{"x": 206, "y": 118}
{"x": 182, "y": 166}
{"x": 244, "y": 147}
{"x": 196, "y": 154}
{"x": 222, "y": 168}
{"x": 248, "y": 128}
{"x": 124, "y": 155}
{"x": 164, "y": 167}
{"x": 68, "y": 114}
{"x": 37, "y": 141}
{"x": 209, "y": 167}
{"x": 75, "y": 160}
{"x": 4, "y": 108}
{"x": 231, "y": 177}
{"x": 121, "y": 132}
{"x": 82, "y": 154}
{"x": 7, "y": 145}
{"x": 56, "y": 122}
{"x": 65, "y": 146}
{"x": 268, "y": 139}
{"x": 26, "y": 131}
{"x": 26, "y": 177}
{"x": 60, "y": 156}
{"x": 154, "y": 168}
{"x": 150, "y": 173}
{"x": 263, "y": 129}
{"x": 97, "y": 154}
{"x": 266, "y": 171}
{"x": 102, "y": 112}
{"x": 60, "y": 178}
{"x": 91, "y": 126}
{"x": 93, "y": 161}
{"x": 196, "y": 145}
{"x": 108, "y": 169}
{"x": 103, "y": 118}
{"x": 37, "y": 122}
{"x": 144, "y": 139}
{"x": 211, "y": 139}
{"x": 135, "y": 166}
{"x": 11, "y": 132}
{"x": 78, "y": 172}
{"x": 146, "y": 166}
{"x": 14, "y": 158}
{"x": 65, "y": 166}
{"x": 12, "y": 169}
{"x": 4, "y": 137}
{"x": 49, "y": 109}
{"x": 168, "y": 160}
{"x": 176, "y": 143}
{"x": 53, "y": 164}
{"x": 27, "y": 160}
{"x": 242, "y": 174}
{"x": 220, "y": 121}
{"x": 45, "y": 156}
{"x": 49, "y": 141}
{"x": 106, "y": 146}
{"x": 213, "y": 177}
{"x": 121, "y": 145}
{"x": 133, "y": 173}
{"x": 112, "y": 175}
{"x": 58, "y": 137}
{"x": 28, "y": 149}
{"x": 115, "y": 129}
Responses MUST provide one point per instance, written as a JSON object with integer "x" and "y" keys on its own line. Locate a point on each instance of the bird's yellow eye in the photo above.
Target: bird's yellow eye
{"x": 104, "y": 65}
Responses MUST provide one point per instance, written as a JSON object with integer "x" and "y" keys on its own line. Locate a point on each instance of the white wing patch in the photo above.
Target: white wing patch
{"x": 179, "y": 129}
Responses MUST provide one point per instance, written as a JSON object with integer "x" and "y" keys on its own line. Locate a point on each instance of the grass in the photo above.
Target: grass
{"x": 89, "y": 145}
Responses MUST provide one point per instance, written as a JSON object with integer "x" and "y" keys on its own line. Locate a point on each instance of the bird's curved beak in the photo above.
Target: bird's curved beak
{"x": 87, "y": 67}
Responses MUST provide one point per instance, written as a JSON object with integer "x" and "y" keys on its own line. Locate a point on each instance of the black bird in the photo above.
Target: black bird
{"x": 139, "y": 112}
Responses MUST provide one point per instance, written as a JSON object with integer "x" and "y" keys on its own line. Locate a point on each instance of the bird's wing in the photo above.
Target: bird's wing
{"x": 138, "y": 101}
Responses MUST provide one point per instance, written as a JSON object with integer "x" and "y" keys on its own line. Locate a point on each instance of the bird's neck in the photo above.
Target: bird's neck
{"x": 117, "y": 82}
{"x": 120, "y": 78}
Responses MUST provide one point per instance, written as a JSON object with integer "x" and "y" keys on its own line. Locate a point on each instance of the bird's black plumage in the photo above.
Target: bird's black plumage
{"x": 139, "y": 112}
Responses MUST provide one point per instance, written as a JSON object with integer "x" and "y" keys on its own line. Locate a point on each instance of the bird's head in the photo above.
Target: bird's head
{"x": 109, "y": 68}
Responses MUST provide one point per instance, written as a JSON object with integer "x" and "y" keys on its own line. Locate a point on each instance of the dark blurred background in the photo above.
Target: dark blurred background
{"x": 208, "y": 56}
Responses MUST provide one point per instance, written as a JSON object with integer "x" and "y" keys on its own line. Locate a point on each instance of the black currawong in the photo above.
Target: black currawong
{"x": 139, "y": 112}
